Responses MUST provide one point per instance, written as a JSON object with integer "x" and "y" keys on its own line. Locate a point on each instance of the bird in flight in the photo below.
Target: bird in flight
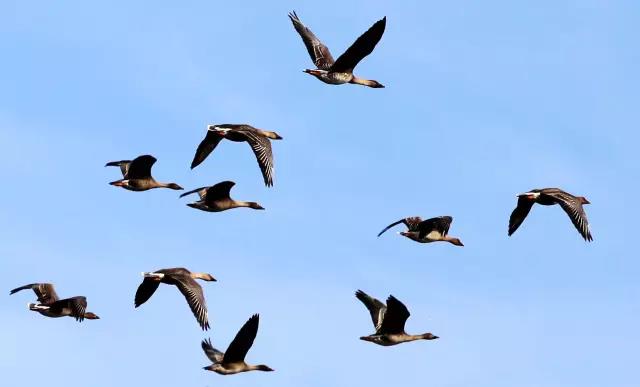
{"x": 571, "y": 204}
{"x": 340, "y": 71}
{"x": 232, "y": 361}
{"x": 258, "y": 139}
{"x": 427, "y": 231}
{"x": 388, "y": 321}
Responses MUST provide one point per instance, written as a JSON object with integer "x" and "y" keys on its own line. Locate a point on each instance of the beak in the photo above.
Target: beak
{"x": 436, "y": 337}
{"x": 117, "y": 183}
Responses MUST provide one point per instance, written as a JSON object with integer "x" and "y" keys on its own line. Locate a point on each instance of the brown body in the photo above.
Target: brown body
{"x": 389, "y": 321}
{"x": 216, "y": 198}
{"x": 137, "y": 175}
{"x": 232, "y": 361}
{"x": 572, "y": 206}
{"x": 427, "y": 231}
{"x": 184, "y": 280}
{"x": 259, "y": 140}
{"x": 50, "y": 305}
{"x": 340, "y": 71}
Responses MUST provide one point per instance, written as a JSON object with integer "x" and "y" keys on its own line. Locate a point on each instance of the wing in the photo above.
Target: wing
{"x": 140, "y": 167}
{"x": 261, "y": 147}
{"x": 145, "y": 291}
{"x": 362, "y": 47}
{"x": 439, "y": 224}
{"x": 219, "y": 191}
{"x": 318, "y": 52}
{"x": 243, "y": 341}
{"x": 77, "y": 305}
{"x": 123, "y": 164}
{"x": 395, "y": 317}
{"x": 376, "y": 308}
{"x": 211, "y": 140}
{"x": 519, "y": 213}
{"x": 410, "y": 222}
{"x": 213, "y": 354}
{"x": 192, "y": 292}
{"x": 44, "y": 291}
{"x": 202, "y": 192}
{"x": 574, "y": 209}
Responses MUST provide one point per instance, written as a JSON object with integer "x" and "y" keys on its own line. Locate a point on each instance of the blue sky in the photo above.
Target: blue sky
{"x": 484, "y": 100}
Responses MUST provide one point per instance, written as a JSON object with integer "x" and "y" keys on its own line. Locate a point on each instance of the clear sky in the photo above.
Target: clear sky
{"x": 484, "y": 100}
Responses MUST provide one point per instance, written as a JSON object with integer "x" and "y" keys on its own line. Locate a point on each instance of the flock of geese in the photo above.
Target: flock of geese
{"x": 388, "y": 319}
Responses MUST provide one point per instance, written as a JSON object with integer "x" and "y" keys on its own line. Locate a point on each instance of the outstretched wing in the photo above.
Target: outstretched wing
{"x": 213, "y": 354}
{"x": 219, "y": 191}
{"x": 211, "y": 140}
{"x": 572, "y": 206}
{"x": 123, "y": 164}
{"x": 193, "y": 293}
{"x": 376, "y": 308}
{"x": 318, "y": 52}
{"x": 44, "y": 291}
{"x": 411, "y": 223}
{"x": 362, "y": 47}
{"x": 439, "y": 224}
{"x": 520, "y": 213}
{"x": 202, "y": 192}
{"x": 261, "y": 147}
{"x": 140, "y": 167}
{"x": 77, "y": 305}
{"x": 243, "y": 341}
{"x": 395, "y": 317}
{"x": 145, "y": 291}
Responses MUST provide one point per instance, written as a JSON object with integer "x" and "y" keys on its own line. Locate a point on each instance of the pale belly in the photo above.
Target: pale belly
{"x": 336, "y": 78}
{"x": 203, "y": 207}
{"x": 231, "y": 368}
{"x": 431, "y": 237}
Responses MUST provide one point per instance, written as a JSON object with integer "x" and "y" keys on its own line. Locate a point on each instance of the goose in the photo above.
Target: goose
{"x": 389, "y": 321}
{"x": 258, "y": 139}
{"x": 137, "y": 174}
{"x": 572, "y": 205}
{"x": 340, "y": 71}
{"x": 216, "y": 198}
{"x": 50, "y": 305}
{"x": 184, "y": 280}
{"x": 427, "y": 231}
{"x": 232, "y": 361}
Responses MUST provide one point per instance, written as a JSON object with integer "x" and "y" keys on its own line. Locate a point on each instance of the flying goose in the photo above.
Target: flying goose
{"x": 258, "y": 139}
{"x": 572, "y": 205}
{"x": 137, "y": 174}
{"x": 427, "y": 231}
{"x": 184, "y": 280}
{"x": 216, "y": 198}
{"x": 232, "y": 361}
{"x": 389, "y": 321}
{"x": 51, "y": 306}
{"x": 339, "y": 71}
